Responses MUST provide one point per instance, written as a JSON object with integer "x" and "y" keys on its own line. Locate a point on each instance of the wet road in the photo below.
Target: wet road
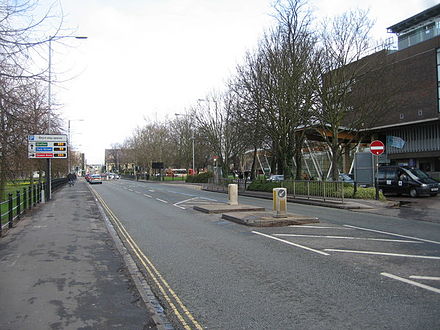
{"x": 352, "y": 270}
{"x": 418, "y": 209}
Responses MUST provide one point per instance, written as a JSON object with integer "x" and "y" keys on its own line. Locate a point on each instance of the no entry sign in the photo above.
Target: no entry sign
{"x": 377, "y": 147}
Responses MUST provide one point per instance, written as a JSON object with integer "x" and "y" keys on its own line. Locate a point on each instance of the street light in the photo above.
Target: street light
{"x": 49, "y": 103}
{"x": 69, "y": 163}
{"x": 193, "y": 151}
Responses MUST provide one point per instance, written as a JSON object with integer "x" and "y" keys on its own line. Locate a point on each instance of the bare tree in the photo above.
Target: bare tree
{"x": 222, "y": 132}
{"x": 279, "y": 83}
{"x": 342, "y": 78}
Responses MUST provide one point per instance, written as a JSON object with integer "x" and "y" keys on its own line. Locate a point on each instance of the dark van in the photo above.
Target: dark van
{"x": 406, "y": 180}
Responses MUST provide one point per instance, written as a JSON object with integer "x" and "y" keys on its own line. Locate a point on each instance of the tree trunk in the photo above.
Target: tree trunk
{"x": 254, "y": 160}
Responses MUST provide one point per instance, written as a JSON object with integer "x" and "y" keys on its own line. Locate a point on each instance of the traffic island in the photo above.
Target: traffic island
{"x": 267, "y": 219}
{"x": 223, "y": 207}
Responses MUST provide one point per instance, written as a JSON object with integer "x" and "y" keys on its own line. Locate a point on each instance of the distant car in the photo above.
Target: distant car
{"x": 113, "y": 176}
{"x": 276, "y": 177}
{"x": 346, "y": 178}
{"x": 95, "y": 178}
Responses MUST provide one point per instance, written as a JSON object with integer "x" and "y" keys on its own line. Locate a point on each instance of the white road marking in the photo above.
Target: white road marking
{"x": 291, "y": 243}
{"x": 430, "y": 278}
{"x": 151, "y": 190}
{"x": 185, "y": 201}
{"x": 420, "y": 285}
{"x": 161, "y": 200}
{"x": 318, "y": 227}
{"x": 349, "y": 237}
{"x": 149, "y": 196}
{"x": 130, "y": 190}
{"x": 384, "y": 254}
{"x": 393, "y": 234}
{"x": 180, "y": 207}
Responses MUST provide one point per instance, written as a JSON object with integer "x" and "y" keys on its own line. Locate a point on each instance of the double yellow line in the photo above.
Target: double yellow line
{"x": 152, "y": 271}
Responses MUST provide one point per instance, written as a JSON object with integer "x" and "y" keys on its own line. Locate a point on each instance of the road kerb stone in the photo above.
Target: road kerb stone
{"x": 267, "y": 219}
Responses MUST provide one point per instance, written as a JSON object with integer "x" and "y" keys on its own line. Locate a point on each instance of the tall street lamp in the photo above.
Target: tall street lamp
{"x": 69, "y": 153}
{"x": 193, "y": 150}
{"x": 49, "y": 102}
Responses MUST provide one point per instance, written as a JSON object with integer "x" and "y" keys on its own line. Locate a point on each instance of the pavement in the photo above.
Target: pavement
{"x": 63, "y": 267}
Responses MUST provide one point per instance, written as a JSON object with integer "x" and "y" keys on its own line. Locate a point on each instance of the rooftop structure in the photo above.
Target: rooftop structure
{"x": 418, "y": 28}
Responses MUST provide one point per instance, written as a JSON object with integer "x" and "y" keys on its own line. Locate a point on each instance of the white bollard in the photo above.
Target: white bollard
{"x": 233, "y": 194}
{"x": 280, "y": 202}
{"x": 43, "y": 200}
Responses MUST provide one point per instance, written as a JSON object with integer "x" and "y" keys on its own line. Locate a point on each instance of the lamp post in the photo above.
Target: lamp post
{"x": 193, "y": 148}
{"x": 69, "y": 154}
{"x": 49, "y": 113}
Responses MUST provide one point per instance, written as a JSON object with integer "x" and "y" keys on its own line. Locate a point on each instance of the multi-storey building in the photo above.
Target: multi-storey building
{"x": 410, "y": 128}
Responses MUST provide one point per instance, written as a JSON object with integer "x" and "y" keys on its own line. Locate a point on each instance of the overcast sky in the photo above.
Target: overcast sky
{"x": 149, "y": 59}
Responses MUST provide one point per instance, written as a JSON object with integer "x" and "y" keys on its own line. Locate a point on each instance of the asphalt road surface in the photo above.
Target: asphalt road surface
{"x": 351, "y": 271}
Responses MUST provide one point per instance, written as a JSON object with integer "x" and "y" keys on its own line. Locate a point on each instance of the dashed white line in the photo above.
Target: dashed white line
{"x": 149, "y": 196}
{"x": 429, "y": 278}
{"x": 161, "y": 200}
{"x": 291, "y": 243}
{"x": 420, "y": 285}
{"x": 350, "y": 238}
{"x": 384, "y": 254}
{"x": 393, "y": 234}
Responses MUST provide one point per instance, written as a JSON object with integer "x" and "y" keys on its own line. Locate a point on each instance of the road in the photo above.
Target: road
{"x": 352, "y": 270}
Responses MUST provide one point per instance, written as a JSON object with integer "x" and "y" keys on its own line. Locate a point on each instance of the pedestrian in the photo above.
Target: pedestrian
{"x": 71, "y": 179}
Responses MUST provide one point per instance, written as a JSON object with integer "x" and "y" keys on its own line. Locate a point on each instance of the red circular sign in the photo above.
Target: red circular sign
{"x": 377, "y": 147}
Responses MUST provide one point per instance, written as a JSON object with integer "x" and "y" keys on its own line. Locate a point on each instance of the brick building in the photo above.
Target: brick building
{"x": 410, "y": 126}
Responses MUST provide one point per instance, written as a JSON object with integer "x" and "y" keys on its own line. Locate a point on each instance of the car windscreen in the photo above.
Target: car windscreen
{"x": 417, "y": 174}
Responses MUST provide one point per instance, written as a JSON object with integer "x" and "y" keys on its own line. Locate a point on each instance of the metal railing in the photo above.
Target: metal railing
{"x": 221, "y": 184}
{"x": 17, "y": 203}
{"x": 304, "y": 189}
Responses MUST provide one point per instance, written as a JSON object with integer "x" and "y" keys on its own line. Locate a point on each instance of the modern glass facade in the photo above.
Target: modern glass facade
{"x": 419, "y": 34}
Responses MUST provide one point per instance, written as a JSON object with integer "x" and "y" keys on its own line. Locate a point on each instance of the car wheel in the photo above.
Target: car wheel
{"x": 413, "y": 192}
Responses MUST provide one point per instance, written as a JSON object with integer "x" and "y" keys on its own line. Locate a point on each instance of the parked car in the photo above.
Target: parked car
{"x": 95, "y": 178}
{"x": 276, "y": 177}
{"x": 344, "y": 177}
{"x": 406, "y": 180}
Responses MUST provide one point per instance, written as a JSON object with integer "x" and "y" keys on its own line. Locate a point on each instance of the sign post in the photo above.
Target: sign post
{"x": 48, "y": 147}
{"x": 377, "y": 148}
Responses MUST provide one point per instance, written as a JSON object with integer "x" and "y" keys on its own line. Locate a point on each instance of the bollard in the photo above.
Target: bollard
{"x": 43, "y": 200}
{"x": 233, "y": 194}
{"x": 280, "y": 202}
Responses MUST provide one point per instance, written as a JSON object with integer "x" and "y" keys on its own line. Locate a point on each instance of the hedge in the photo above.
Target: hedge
{"x": 200, "y": 178}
